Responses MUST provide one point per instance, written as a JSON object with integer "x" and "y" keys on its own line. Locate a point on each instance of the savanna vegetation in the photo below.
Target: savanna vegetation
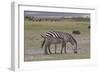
{"x": 33, "y": 39}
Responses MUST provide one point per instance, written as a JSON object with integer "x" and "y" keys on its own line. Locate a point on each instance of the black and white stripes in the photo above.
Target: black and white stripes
{"x": 54, "y": 34}
{"x": 55, "y": 37}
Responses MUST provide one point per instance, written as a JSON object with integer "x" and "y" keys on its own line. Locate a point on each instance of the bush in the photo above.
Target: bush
{"x": 77, "y": 32}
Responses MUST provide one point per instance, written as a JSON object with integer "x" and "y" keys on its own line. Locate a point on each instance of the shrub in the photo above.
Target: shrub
{"x": 77, "y": 32}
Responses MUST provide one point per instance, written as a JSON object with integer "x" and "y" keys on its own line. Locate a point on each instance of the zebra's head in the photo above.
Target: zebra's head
{"x": 74, "y": 43}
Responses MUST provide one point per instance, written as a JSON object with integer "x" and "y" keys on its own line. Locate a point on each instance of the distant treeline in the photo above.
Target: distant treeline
{"x": 56, "y": 18}
{"x": 80, "y": 18}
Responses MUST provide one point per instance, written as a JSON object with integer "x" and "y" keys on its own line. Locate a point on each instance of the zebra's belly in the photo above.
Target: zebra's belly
{"x": 56, "y": 41}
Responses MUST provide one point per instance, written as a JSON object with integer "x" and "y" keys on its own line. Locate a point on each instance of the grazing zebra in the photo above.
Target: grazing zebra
{"x": 60, "y": 37}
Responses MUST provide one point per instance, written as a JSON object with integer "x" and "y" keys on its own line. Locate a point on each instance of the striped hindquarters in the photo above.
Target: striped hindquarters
{"x": 54, "y": 34}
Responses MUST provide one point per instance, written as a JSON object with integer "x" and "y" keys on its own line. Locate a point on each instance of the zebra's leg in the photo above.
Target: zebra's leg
{"x": 46, "y": 49}
{"x": 49, "y": 48}
{"x": 65, "y": 47}
{"x": 75, "y": 48}
{"x": 75, "y": 51}
{"x": 55, "y": 48}
{"x": 62, "y": 48}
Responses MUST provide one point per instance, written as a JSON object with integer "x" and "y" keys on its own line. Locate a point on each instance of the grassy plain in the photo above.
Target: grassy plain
{"x": 33, "y": 39}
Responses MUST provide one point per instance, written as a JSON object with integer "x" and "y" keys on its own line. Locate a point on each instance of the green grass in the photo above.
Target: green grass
{"x": 33, "y": 40}
{"x": 29, "y": 25}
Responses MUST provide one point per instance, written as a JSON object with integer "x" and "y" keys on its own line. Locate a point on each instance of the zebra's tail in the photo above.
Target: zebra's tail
{"x": 43, "y": 42}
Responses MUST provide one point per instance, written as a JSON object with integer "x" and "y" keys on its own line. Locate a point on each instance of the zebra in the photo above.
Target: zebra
{"x": 60, "y": 37}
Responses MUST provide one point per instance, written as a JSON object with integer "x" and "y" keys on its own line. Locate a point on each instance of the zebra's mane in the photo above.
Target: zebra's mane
{"x": 73, "y": 38}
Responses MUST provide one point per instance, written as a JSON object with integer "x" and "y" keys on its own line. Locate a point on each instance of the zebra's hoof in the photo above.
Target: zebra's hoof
{"x": 75, "y": 52}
